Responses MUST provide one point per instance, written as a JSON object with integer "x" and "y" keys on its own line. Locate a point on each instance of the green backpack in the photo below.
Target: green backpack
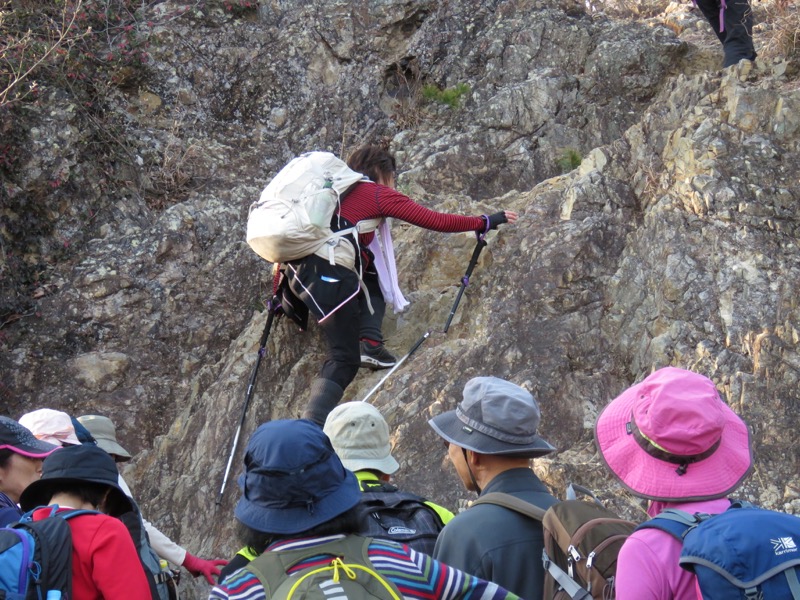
{"x": 350, "y": 574}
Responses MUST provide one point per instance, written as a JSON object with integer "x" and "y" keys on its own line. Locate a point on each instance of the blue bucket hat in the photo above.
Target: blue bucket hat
{"x": 293, "y": 480}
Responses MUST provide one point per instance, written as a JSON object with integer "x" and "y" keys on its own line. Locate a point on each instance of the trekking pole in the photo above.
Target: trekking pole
{"x": 250, "y": 387}
{"x": 465, "y": 280}
{"x": 481, "y": 244}
{"x": 272, "y": 307}
{"x": 414, "y": 348}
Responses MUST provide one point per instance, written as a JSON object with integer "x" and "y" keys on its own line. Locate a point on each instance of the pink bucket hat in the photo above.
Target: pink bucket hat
{"x": 671, "y": 438}
{"x": 51, "y": 426}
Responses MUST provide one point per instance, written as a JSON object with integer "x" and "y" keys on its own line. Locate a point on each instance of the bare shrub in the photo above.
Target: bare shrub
{"x": 404, "y": 82}
{"x": 781, "y": 35}
{"x": 176, "y": 175}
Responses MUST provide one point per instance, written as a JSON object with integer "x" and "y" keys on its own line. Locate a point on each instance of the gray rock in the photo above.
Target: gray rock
{"x": 674, "y": 242}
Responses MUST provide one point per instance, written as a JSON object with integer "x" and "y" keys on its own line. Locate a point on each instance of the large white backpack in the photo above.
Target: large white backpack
{"x": 292, "y": 218}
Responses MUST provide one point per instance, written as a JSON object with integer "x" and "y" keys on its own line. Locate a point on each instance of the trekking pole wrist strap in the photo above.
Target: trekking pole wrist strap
{"x": 486, "y": 228}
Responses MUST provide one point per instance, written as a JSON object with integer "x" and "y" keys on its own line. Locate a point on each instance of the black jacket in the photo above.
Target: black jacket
{"x": 498, "y": 544}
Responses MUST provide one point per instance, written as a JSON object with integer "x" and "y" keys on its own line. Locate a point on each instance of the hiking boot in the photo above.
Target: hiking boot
{"x": 376, "y": 357}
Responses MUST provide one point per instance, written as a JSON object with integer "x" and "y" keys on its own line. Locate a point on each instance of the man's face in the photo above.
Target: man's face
{"x": 456, "y": 456}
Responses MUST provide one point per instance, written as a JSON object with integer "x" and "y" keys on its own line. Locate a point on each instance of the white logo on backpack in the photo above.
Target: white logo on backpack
{"x": 332, "y": 589}
{"x": 783, "y": 545}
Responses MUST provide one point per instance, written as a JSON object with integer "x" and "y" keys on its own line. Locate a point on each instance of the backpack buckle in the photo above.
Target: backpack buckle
{"x": 545, "y": 559}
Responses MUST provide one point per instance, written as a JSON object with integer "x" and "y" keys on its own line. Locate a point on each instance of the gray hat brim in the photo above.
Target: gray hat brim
{"x": 452, "y": 429}
{"x": 113, "y": 448}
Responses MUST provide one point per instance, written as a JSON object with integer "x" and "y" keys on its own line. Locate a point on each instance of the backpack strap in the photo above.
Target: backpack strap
{"x": 573, "y": 589}
{"x": 512, "y": 503}
{"x": 675, "y": 522}
{"x": 68, "y": 514}
{"x": 77, "y": 513}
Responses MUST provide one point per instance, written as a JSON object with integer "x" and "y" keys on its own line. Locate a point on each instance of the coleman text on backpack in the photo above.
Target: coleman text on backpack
{"x": 292, "y": 219}
{"x": 745, "y": 552}
{"x": 36, "y": 557}
{"x": 389, "y": 514}
{"x": 349, "y": 574}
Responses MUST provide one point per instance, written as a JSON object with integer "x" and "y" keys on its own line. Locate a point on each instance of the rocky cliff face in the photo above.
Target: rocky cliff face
{"x": 673, "y": 242}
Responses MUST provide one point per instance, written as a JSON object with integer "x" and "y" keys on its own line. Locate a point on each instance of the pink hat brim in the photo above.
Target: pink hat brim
{"x": 655, "y": 479}
{"x": 57, "y": 439}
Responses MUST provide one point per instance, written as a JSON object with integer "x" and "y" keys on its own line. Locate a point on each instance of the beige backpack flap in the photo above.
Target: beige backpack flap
{"x": 335, "y": 251}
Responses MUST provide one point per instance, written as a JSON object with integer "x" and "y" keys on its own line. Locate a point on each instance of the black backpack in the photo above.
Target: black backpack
{"x": 386, "y": 513}
{"x": 163, "y": 581}
{"x": 36, "y": 556}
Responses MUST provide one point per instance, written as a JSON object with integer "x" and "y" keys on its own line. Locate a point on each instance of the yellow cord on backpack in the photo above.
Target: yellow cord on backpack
{"x": 337, "y": 564}
{"x": 349, "y": 570}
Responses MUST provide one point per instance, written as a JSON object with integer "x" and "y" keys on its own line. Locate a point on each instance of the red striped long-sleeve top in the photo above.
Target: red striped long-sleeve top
{"x": 369, "y": 200}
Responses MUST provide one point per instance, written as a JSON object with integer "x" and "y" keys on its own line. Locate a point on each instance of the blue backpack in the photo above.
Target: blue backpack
{"x": 745, "y": 552}
{"x": 36, "y": 557}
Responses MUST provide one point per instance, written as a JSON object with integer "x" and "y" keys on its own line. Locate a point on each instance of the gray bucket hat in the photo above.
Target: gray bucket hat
{"x": 494, "y": 417}
{"x": 104, "y": 432}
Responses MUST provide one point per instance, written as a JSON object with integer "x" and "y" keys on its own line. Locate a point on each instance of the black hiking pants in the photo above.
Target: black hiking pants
{"x": 344, "y": 329}
{"x": 323, "y": 287}
{"x": 343, "y": 357}
{"x": 371, "y": 325}
{"x": 737, "y": 37}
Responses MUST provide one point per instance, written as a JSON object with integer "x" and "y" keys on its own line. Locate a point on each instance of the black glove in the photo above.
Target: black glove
{"x": 492, "y": 221}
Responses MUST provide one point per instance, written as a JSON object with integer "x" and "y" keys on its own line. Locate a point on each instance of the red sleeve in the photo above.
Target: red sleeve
{"x": 394, "y": 204}
{"x": 370, "y": 200}
{"x": 116, "y": 569}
